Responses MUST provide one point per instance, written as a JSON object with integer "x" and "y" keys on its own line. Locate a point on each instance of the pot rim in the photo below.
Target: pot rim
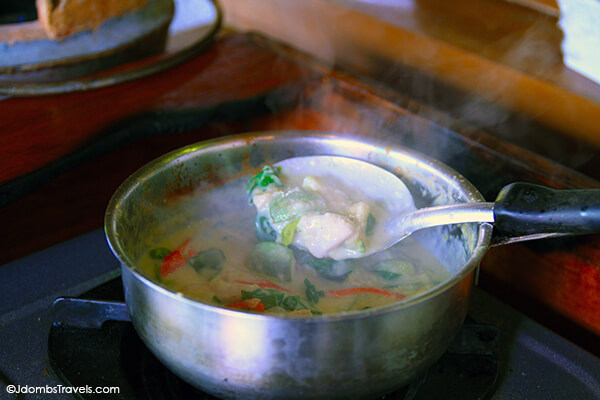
{"x": 249, "y": 138}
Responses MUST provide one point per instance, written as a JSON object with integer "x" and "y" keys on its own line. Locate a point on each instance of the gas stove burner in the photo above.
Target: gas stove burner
{"x": 155, "y": 381}
{"x": 114, "y": 355}
{"x": 469, "y": 368}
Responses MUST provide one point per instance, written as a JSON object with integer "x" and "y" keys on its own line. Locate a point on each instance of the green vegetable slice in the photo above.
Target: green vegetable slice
{"x": 287, "y": 234}
{"x": 272, "y": 259}
{"x": 361, "y": 247}
{"x": 209, "y": 262}
{"x": 394, "y": 268}
{"x": 292, "y": 204}
{"x": 371, "y": 221}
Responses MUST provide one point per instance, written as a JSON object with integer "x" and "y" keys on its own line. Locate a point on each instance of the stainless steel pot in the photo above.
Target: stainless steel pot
{"x": 234, "y": 354}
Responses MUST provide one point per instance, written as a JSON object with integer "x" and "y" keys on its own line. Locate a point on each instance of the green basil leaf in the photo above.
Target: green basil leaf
{"x": 394, "y": 269}
{"x": 264, "y": 230}
{"x": 328, "y": 268}
{"x": 293, "y": 303}
{"x": 267, "y": 176}
{"x": 388, "y": 275}
{"x": 312, "y": 294}
{"x": 159, "y": 253}
{"x": 269, "y": 297}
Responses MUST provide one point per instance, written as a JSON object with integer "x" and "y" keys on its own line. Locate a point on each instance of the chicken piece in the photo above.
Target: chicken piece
{"x": 359, "y": 212}
{"x": 310, "y": 182}
{"x": 336, "y": 199}
{"x": 321, "y": 233}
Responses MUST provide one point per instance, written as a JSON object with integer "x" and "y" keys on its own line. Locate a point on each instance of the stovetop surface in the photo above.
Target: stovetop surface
{"x": 534, "y": 363}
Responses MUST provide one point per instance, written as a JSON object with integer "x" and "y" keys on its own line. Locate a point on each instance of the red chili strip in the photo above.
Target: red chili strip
{"x": 177, "y": 258}
{"x": 265, "y": 285}
{"x": 248, "y": 304}
{"x": 359, "y": 290}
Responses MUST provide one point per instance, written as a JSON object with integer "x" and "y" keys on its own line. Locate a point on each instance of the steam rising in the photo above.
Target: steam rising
{"x": 531, "y": 48}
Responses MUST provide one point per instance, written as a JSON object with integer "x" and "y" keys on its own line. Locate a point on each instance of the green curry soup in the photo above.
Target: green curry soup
{"x": 281, "y": 244}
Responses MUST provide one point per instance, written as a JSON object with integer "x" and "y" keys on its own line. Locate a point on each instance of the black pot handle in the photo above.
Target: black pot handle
{"x": 83, "y": 313}
{"x": 524, "y": 209}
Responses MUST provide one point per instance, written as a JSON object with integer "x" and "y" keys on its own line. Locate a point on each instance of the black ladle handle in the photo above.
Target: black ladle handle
{"x": 523, "y": 209}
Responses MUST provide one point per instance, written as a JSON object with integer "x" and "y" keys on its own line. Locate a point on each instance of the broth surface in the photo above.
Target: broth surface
{"x": 213, "y": 258}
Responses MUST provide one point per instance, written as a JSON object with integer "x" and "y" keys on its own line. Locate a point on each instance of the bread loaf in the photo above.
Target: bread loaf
{"x": 65, "y": 17}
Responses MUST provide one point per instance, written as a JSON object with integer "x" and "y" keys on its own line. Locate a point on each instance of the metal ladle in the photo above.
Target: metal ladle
{"x": 520, "y": 209}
